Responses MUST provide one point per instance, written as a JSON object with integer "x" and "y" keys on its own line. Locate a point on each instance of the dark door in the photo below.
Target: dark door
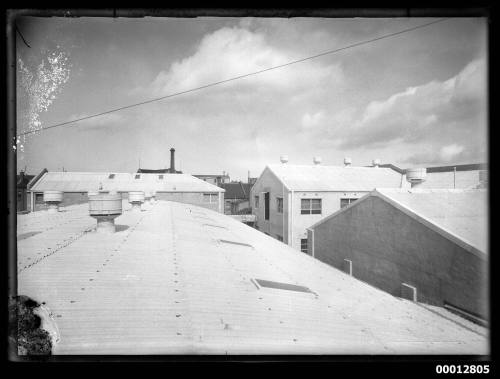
{"x": 266, "y": 205}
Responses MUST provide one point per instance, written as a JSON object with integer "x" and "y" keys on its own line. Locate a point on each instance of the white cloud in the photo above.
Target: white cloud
{"x": 309, "y": 121}
{"x": 420, "y": 113}
{"x": 447, "y": 153}
{"x": 231, "y": 52}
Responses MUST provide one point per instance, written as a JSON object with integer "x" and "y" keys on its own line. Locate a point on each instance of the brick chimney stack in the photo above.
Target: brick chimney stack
{"x": 172, "y": 160}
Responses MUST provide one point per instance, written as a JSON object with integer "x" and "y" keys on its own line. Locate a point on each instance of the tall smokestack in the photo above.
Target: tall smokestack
{"x": 172, "y": 160}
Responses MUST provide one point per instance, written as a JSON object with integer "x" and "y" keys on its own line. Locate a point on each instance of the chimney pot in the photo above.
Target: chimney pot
{"x": 284, "y": 159}
{"x": 317, "y": 160}
{"x": 347, "y": 161}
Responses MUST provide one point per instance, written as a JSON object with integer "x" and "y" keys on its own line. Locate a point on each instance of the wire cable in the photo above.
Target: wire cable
{"x": 236, "y": 77}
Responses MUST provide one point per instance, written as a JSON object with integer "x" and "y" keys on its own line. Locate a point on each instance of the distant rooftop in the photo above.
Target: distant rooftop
{"x": 236, "y": 190}
{"x": 122, "y": 182}
{"x": 158, "y": 171}
{"x": 335, "y": 178}
{"x": 462, "y": 167}
{"x": 179, "y": 279}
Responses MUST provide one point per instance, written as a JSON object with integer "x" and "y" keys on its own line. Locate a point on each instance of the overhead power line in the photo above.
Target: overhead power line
{"x": 237, "y": 77}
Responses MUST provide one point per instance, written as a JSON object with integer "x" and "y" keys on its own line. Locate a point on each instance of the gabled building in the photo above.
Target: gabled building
{"x": 236, "y": 198}
{"x": 175, "y": 187}
{"x": 430, "y": 243}
{"x": 287, "y": 199}
{"x": 23, "y": 200}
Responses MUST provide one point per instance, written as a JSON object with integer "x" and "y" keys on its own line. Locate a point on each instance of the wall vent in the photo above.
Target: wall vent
{"x": 280, "y": 286}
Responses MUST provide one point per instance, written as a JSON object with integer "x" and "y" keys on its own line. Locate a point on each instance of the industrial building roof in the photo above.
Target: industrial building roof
{"x": 335, "y": 178}
{"x": 236, "y": 190}
{"x": 458, "y": 214}
{"x": 180, "y": 279}
{"x": 122, "y": 182}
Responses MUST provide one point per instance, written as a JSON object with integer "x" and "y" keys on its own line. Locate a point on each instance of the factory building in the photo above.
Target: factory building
{"x": 467, "y": 176}
{"x": 175, "y": 187}
{"x": 177, "y": 278}
{"x": 430, "y": 245}
{"x": 236, "y": 198}
{"x": 23, "y": 200}
{"x": 287, "y": 199}
{"x": 170, "y": 170}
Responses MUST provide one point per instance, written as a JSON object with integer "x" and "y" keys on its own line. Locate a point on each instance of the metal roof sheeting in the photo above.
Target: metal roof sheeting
{"x": 463, "y": 213}
{"x": 164, "y": 284}
{"x": 122, "y": 182}
{"x": 335, "y": 178}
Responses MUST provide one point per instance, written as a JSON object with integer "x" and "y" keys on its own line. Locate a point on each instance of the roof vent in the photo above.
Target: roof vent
{"x": 317, "y": 160}
{"x": 52, "y": 199}
{"x": 347, "y": 161}
{"x": 416, "y": 175}
{"x": 376, "y": 162}
{"x": 136, "y": 198}
{"x": 284, "y": 159}
{"x": 105, "y": 207}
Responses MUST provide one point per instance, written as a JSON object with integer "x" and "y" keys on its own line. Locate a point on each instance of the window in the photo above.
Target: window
{"x": 280, "y": 238}
{"x": 138, "y": 176}
{"x": 38, "y": 198}
{"x": 160, "y": 177}
{"x": 279, "y": 204}
{"x": 256, "y": 201}
{"x": 111, "y": 176}
{"x": 210, "y": 197}
{"x": 346, "y": 202}
{"x": 303, "y": 245}
{"x": 310, "y": 206}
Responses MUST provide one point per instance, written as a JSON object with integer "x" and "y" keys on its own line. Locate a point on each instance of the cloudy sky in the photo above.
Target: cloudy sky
{"x": 419, "y": 98}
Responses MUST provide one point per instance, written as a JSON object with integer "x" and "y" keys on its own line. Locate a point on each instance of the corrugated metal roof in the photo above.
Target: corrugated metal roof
{"x": 123, "y": 182}
{"x": 463, "y": 213}
{"x": 335, "y": 178}
{"x": 165, "y": 284}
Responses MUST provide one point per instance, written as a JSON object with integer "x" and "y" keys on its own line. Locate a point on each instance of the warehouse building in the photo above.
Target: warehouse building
{"x": 175, "y": 187}
{"x": 430, "y": 245}
{"x": 180, "y": 279}
{"x": 287, "y": 199}
{"x": 467, "y": 176}
{"x": 236, "y": 198}
{"x": 23, "y": 200}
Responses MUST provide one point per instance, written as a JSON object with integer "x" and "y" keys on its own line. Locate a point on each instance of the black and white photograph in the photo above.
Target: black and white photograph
{"x": 248, "y": 184}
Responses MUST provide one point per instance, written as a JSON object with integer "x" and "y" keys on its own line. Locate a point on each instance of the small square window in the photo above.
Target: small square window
{"x": 138, "y": 176}
{"x": 111, "y": 176}
{"x": 160, "y": 176}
